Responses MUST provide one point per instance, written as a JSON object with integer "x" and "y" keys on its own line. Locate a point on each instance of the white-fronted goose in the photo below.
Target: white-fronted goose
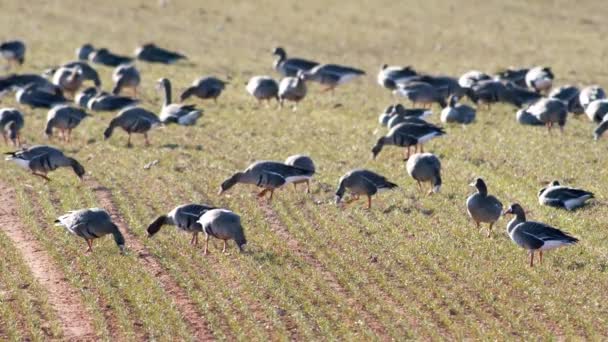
{"x": 540, "y": 79}
{"x": 446, "y": 86}
{"x": 17, "y": 81}
{"x": 133, "y": 120}
{"x": 88, "y": 73}
{"x": 13, "y": 51}
{"x": 406, "y": 135}
{"x": 224, "y": 225}
{"x": 103, "y": 56}
{"x": 570, "y": 95}
{"x": 263, "y": 88}
{"x": 178, "y": 113}
{"x": 471, "y": 78}
{"x": 420, "y": 93}
{"x": 390, "y": 76}
{"x": 425, "y": 167}
{"x": 596, "y": 110}
{"x": 185, "y": 217}
{"x": 91, "y": 224}
{"x": 63, "y": 118}
{"x": 11, "y": 123}
{"x": 519, "y": 96}
{"x": 487, "y": 92}
{"x": 362, "y": 182}
{"x": 396, "y": 114}
{"x": 590, "y": 94}
{"x": 69, "y": 79}
{"x": 332, "y": 75}
{"x": 457, "y": 112}
{"x": 35, "y": 97}
{"x": 556, "y": 195}
{"x": 483, "y": 208}
{"x": 42, "y": 159}
{"x": 151, "y": 53}
{"x": 292, "y": 89}
{"x": 125, "y": 76}
{"x": 514, "y": 75}
{"x": 103, "y": 102}
{"x": 305, "y": 163}
{"x": 83, "y": 52}
{"x": 290, "y": 67}
{"x": 535, "y": 236}
{"x": 204, "y": 88}
{"x": 525, "y": 118}
{"x": 550, "y": 111}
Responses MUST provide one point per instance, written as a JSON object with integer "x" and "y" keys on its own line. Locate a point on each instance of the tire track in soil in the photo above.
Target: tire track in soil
{"x": 193, "y": 317}
{"x": 62, "y": 297}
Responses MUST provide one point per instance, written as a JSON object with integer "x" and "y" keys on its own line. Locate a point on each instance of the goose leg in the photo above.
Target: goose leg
{"x": 531, "y": 258}
{"x": 419, "y": 185}
{"x": 477, "y": 225}
{"x": 146, "y": 139}
{"x": 271, "y": 193}
{"x": 69, "y": 135}
{"x": 262, "y": 193}
{"x": 129, "y": 141}
{"x": 490, "y": 229}
{"x": 224, "y": 249}
{"x": 421, "y": 148}
{"x": 307, "y": 186}
{"x": 541, "y": 257}
{"x": 90, "y": 244}
{"x": 369, "y": 202}
{"x": 42, "y": 176}
{"x": 192, "y": 240}
{"x": 206, "y": 251}
{"x": 18, "y": 139}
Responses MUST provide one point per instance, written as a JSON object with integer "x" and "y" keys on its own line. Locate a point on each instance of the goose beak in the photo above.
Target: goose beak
{"x": 122, "y": 249}
{"x": 472, "y": 184}
{"x": 508, "y": 211}
{"x": 220, "y": 192}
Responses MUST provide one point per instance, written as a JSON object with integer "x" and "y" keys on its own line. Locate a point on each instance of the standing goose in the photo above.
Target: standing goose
{"x": 597, "y": 110}
{"x": 556, "y": 195}
{"x": 483, "y": 208}
{"x": 420, "y": 93}
{"x": 332, "y": 75}
{"x": 91, "y": 224}
{"x": 535, "y": 236}
{"x": 36, "y": 97}
{"x": 540, "y": 79}
{"x": 425, "y": 167}
{"x": 11, "y": 122}
{"x": 64, "y": 118}
{"x": 69, "y": 79}
{"x": 269, "y": 175}
{"x": 290, "y": 67}
{"x": 83, "y": 52}
{"x": 457, "y": 112}
{"x": 407, "y": 134}
{"x": 549, "y": 111}
{"x": 182, "y": 114}
{"x": 42, "y": 159}
{"x": 224, "y": 225}
{"x": 570, "y": 95}
{"x": 151, "y": 53}
{"x": 362, "y": 182}
{"x": 391, "y": 76}
{"x": 590, "y": 94}
{"x": 125, "y": 76}
{"x": 103, "y": 102}
{"x": 133, "y": 120}
{"x": 105, "y": 57}
{"x": 204, "y": 88}
{"x": 305, "y": 163}
{"x": 292, "y": 89}
{"x": 263, "y": 88}
{"x": 13, "y": 51}
{"x": 185, "y": 217}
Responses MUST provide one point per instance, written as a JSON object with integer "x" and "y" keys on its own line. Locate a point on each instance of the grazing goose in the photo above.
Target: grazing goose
{"x": 362, "y": 182}
{"x": 103, "y": 102}
{"x": 535, "y": 236}
{"x": 16, "y": 81}
{"x": 42, "y": 159}
{"x": 539, "y": 79}
{"x": 590, "y": 94}
{"x": 133, "y": 120}
{"x": 91, "y": 224}
{"x": 263, "y": 88}
{"x": 513, "y": 75}
{"x": 269, "y": 175}
{"x": 63, "y": 118}
{"x": 69, "y": 79}
{"x": 446, "y": 86}
{"x": 407, "y": 134}
{"x": 87, "y": 72}
{"x": 154, "y": 54}
{"x": 420, "y": 93}
{"x": 185, "y": 217}
{"x": 292, "y": 89}
{"x": 83, "y": 52}
{"x": 305, "y": 163}
{"x": 483, "y": 208}
{"x": 525, "y": 118}
{"x": 596, "y": 110}
{"x": 290, "y": 67}
{"x": 471, "y": 78}
{"x": 105, "y": 57}
{"x": 35, "y": 97}
{"x": 125, "y": 76}
{"x": 556, "y": 195}
{"x": 457, "y": 112}
{"x": 11, "y": 122}
{"x": 332, "y": 75}
{"x": 600, "y": 129}
{"x": 549, "y": 111}
{"x": 13, "y": 51}
{"x": 390, "y": 76}
{"x": 204, "y": 88}
{"x": 224, "y": 225}
{"x": 425, "y": 167}
{"x": 570, "y": 95}
{"x": 181, "y": 114}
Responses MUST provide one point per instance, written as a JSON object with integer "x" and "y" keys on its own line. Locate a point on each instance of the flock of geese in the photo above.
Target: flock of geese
{"x": 60, "y": 90}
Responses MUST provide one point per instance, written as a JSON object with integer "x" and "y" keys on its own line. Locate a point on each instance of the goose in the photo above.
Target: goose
{"x": 11, "y": 122}
{"x": 133, "y": 120}
{"x": 539, "y": 79}
{"x": 525, "y": 118}
{"x": 471, "y": 78}
{"x": 483, "y": 208}
{"x": 457, "y": 112}
{"x": 390, "y": 76}
{"x": 600, "y": 129}
{"x": 596, "y": 110}
{"x": 386, "y": 115}
{"x": 83, "y": 52}
{"x": 519, "y": 96}
{"x": 535, "y": 236}
{"x": 556, "y": 195}
{"x": 103, "y": 56}
{"x": 225, "y": 225}
{"x": 69, "y": 79}
{"x": 292, "y": 89}
{"x": 362, "y": 182}
{"x": 332, "y": 75}
{"x": 446, "y": 86}
{"x": 400, "y": 109}
{"x": 305, "y": 163}
{"x": 420, "y": 93}
{"x": 87, "y": 72}
{"x": 91, "y": 99}
{"x": 406, "y": 135}
{"x": 263, "y": 88}
{"x": 486, "y": 92}
{"x": 13, "y": 51}
{"x": 397, "y": 113}
{"x": 269, "y": 175}
{"x": 425, "y": 167}
{"x": 91, "y": 224}
{"x": 204, "y": 88}
{"x": 568, "y": 94}
{"x": 64, "y": 118}
{"x": 151, "y": 53}
{"x": 590, "y": 94}
{"x": 36, "y": 97}
{"x": 16, "y": 81}
{"x": 182, "y": 114}
{"x": 290, "y": 67}
{"x": 549, "y": 111}
{"x": 185, "y": 217}
{"x": 513, "y": 75}
{"x": 42, "y": 159}
{"x": 125, "y": 76}
{"x": 399, "y": 119}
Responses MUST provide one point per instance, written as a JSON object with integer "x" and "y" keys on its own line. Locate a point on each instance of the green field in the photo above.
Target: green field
{"x": 412, "y": 267}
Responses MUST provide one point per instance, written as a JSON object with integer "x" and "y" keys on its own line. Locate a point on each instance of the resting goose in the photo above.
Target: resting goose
{"x": 425, "y": 167}
{"x": 525, "y": 118}
{"x": 332, "y": 75}
{"x": 11, "y": 122}
{"x": 395, "y": 114}
{"x": 600, "y": 129}
{"x": 269, "y": 175}
{"x": 154, "y": 54}
{"x": 185, "y": 217}
{"x": 550, "y": 111}
{"x": 362, "y": 182}
{"x": 133, "y": 120}
{"x": 420, "y": 93}
{"x": 556, "y": 195}
{"x": 181, "y": 114}
{"x": 204, "y": 88}
{"x": 568, "y": 94}
{"x": 305, "y": 163}
{"x": 13, "y": 51}
{"x": 535, "y": 236}
{"x": 83, "y": 52}
{"x": 42, "y": 159}
{"x": 63, "y": 118}
{"x": 486, "y": 92}
{"x": 290, "y": 67}
{"x": 471, "y": 78}
{"x": 590, "y": 94}
{"x": 407, "y": 134}
{"x": 105, "y": 57}
{"x": 69, "y": 79}
{"x": 292, "y": 89}
{"x": 103, "y": 102}
{"x": 35, "y": 97}
{"x": 224, "y": 225}
{"x": 457, "y": 112}
{"x": 16, "y": 81}
{"x": 539, "y": 79}
{"x": 514, "y": 75}
{"x": 519, "y": 96}
{"x": 446, "y": 86}
{"x": 125, "y": 76}
{"x": 597, "y": 110}
{"x": 263, "y": 88}
{"x": 483, "y": 208}
{"x": 87, "y": 72}
{"x": 390, "y": 76}
{"x": 91, "y": 224}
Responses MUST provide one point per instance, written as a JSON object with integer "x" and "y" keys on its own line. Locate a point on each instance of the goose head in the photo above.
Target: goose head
{"x": 480, "y": 185}
{"x": 280, "y": 52}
